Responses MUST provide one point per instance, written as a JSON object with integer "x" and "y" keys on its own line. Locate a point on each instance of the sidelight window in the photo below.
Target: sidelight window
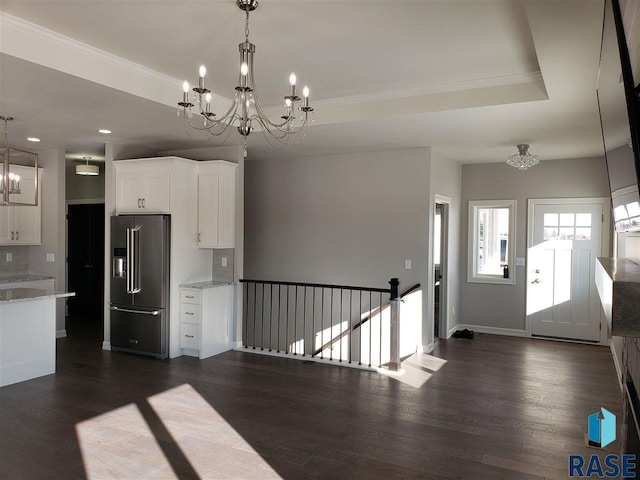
{"x": 492, "y": 241}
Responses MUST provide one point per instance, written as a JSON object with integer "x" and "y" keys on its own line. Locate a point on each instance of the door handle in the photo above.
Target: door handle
{"x": 139, "y": 205}
{"x": 536, "y": 281}
{"x": 143, "y": 203}
{"x": 536, "y": 271}
{"x": 17, "y": 235}
{"x": 143, "y": 312}
{"x": 12, "y": 236}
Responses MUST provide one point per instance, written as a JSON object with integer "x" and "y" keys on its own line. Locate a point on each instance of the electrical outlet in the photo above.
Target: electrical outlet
{"x": 520, "y": 262}
{"x": 9, "y": 257}
{"x": 51, "y": 257}
{"x": 223, "y": 261}
{"x": 407, "y": 264}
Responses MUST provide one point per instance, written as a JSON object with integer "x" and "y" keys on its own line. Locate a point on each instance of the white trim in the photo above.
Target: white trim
{"x": 427, "y": 348}
{"x": 236, "y": 345}
{"x": 508, "y": 332}
{"x": 604, "y": 248}
{"x": 452, "y": 330}
{"x": 106, "y": 346}
{"x": 307, "y": 358}
{"x": 61, "y": 333}
{"x": 472, "y": 276}
{"x": 618, "y": 367}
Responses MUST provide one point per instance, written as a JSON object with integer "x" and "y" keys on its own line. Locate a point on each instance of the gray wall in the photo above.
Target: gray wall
{"x": 503, "y": 306}
{"x": 83, "y": 187}
{"x": 347, "y": 219}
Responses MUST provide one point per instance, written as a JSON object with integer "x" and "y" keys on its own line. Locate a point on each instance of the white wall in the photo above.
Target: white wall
{"x": 503, "y": 306}
{"x": 54, "y": 228}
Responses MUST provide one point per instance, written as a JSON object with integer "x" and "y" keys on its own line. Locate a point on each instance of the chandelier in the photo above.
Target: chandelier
{"x": 246, "y": 112}
{"x": 523, "y": 159}
{"x": 87, "y": 169}
{"x": 15, "y": 159}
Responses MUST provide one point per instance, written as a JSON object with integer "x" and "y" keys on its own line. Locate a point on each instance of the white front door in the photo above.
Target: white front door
{"x": 564, "y": 240}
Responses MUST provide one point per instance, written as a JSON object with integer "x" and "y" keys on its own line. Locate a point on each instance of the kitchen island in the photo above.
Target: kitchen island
{"x": 27, "y": 333}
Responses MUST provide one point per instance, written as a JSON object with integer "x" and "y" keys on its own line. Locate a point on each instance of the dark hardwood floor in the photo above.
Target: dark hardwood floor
{"x": 488, "y": 408}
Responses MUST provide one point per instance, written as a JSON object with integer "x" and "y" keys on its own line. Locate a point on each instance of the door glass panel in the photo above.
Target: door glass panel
{"x": 566, "y": 233}
{"x": 583, "y": 219}
{"x": 550, "y": 219}
{"x": 583, "y": 233}
{"x": 550, "y": 233}
{"x": 567, "y": 219}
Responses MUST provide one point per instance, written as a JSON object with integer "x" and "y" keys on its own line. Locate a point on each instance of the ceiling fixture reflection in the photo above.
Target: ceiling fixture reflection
{"x": 523, "y": 159}
{"x": 246, "y": 111}
{"x": 87, "y": 169}
{"x": 13, "y": 162}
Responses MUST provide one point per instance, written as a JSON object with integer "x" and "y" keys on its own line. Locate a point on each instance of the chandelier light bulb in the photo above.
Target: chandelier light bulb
{"x": 207, "y": 97}
{"x": 203, "y": 70}
{"x": 287, "y": 102}
{"x": 185, "y": 87}
{"x": 11, "y": 176}
{"x": 17, "y": 178}
{"x": 305, "y": 92}
{"x": 292, "y": 79}
{"x": 244, "y": 69}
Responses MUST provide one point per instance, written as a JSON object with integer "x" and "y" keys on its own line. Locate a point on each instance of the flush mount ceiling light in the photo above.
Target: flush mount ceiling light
{"x": 105, "y": 131}
{"x": 246, "y": 110}
{"x": 523, "y": 159}
{"x": 16, "y": 164}
{"x": 87, "y": 169}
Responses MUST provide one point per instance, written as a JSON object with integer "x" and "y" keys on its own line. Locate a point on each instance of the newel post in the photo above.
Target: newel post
{"x": 394, "y": 337}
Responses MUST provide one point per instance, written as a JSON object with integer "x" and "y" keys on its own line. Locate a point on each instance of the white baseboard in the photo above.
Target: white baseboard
{"x": 106, "y": 346}
{"x": 236, "y": 345}
{"x": 617, "y": 364}
{"x": 61, "y": 333}
{"x": 306, "y": 358}
{"x": 509, "y": 332}
{"x": 451, "y": 331}
{"x": 427, "y": 348}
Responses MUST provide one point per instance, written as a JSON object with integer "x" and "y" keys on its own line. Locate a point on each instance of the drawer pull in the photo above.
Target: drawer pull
{"x": 190, "y": 296}
{"x": 188, "y": 313}
{"x": 189, "y": 336}
{"x": 135, "y": 342}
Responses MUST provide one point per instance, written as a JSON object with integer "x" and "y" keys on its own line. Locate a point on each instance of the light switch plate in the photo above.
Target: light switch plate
{"x": 407, "y": 264}
{"x": 520, "y": 262}
{"x": 51, "y": 257}
{"x": 9, "y": 257}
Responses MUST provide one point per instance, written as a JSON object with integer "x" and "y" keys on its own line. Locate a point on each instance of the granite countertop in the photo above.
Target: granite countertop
{"x": 23, "y": 277}
{"x": 11, "y": 295}
{"x": 621, "y": 269}
{"x": 204, "y": 285}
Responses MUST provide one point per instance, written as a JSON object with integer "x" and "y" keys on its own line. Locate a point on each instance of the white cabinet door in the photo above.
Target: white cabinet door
{"x": 216, "y": 205}
{"x": 6, "y": 225}
{"x": 155, "y": 191}
{"x": 216, "y": 320}
{"x": 142, "y": 189}
{"x": 128, "y": 192}
{"x": 208, "y": 217}
{"x": 21, "y": 225}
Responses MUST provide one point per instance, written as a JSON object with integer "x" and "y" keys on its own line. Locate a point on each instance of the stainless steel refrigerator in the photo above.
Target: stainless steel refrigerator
{"x": 140, "y": 253}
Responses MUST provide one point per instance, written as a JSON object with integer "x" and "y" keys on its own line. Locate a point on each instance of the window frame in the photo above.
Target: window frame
{"x": 472, "y": 260}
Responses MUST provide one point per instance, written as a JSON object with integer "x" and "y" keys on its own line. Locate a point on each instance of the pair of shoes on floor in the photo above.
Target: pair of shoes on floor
{"x": 463, "y": 334}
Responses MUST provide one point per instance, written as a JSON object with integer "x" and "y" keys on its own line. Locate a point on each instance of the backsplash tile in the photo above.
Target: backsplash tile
{"x": 19, "y": 262}
{"x": 220, "y": 273}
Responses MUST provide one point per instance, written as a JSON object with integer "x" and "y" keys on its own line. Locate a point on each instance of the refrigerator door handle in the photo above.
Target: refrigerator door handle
{"x": 133, "y": 272}
{"x": 153, "y": 312}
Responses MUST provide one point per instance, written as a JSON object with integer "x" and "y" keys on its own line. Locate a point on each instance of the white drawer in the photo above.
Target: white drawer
{"x": 189, "y": 336}
{"x": 190, "y": 313}
{"x": 190, "y": 296}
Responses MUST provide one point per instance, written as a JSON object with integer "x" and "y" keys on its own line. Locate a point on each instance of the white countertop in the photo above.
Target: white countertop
{"x": 11, "y": 295}
{"x": 23, "y": 277}
{"x": 203, "y": 285}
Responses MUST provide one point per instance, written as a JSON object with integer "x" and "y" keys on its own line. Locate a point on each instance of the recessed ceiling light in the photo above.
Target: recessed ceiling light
{"x": 104, "y": 130}
{"x": 33, "y": 139}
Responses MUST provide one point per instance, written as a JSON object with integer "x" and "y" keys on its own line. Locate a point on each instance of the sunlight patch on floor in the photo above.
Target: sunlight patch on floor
{"x": 120, "y": 445}
{"x": 417, "y": 369}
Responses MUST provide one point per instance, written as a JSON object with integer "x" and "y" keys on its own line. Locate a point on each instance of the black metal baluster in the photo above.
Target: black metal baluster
{"x": 255, "y": 300}
{"x": 340, "y": 334}
{"x": 279, "y": 295}
{"x": 380, "y": 316}
{"x": 287, "y": 332}
{"x": 270, "y": 313}
{"x": 360, "y": 330}
{"x": 304, "y": 320}
{"x": 331, "y": 323}
{"x": 262, "y": 320}
{"x": 245, "y": 314}
{"x": 295, "y": 322}
{"x": 349, "y": 324}
{"x": 370, "y": 324}
{"x": 322, "y": 326}
{"x": 313, "y": 324}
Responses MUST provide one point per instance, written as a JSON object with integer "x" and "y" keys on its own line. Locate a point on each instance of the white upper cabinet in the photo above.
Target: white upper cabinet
{"x": 143, "y": 187}
{"x": 216, "y": 204}
{"x": 21, "y": 225}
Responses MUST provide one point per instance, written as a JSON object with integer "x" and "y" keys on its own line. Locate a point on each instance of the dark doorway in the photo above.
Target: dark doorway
{"x": 85, "y": 256}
